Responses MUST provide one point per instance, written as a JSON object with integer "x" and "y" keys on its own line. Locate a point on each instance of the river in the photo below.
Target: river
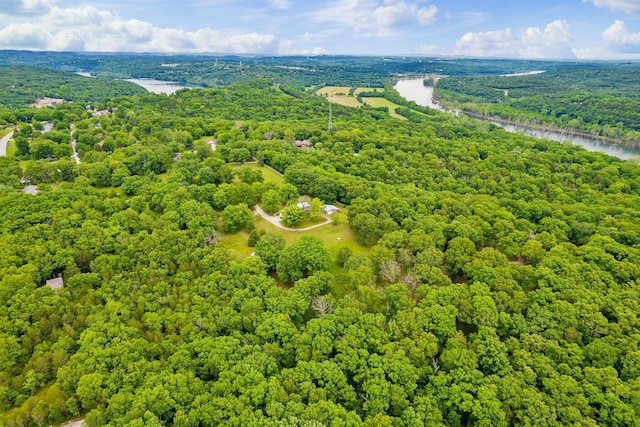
{"x": 414, "y": 90}
{"x": 159, "y": 86}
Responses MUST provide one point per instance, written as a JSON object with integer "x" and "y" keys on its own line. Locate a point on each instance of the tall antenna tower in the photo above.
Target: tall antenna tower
{"x": 330, "y": 118}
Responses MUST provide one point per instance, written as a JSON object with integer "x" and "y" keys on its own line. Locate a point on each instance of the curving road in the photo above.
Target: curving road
{"x": 276, "y": 221}
{"x": 3, "y": 143}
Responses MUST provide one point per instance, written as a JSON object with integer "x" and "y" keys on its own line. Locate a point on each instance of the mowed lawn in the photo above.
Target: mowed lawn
{"x": 268, "y": 173}
{"x": 334, "y": 236}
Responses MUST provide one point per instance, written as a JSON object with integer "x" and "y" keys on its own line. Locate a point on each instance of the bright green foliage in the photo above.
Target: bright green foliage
{"x": 291, "y": 215}
{"x": 305, "y": 257}
{"x": 235, "y": 217}
{"x": 499, "y": 285}
{"x": 271, "y": 201}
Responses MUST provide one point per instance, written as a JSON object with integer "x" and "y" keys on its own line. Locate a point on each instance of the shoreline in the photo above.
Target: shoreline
{"x": 550, "y": 128}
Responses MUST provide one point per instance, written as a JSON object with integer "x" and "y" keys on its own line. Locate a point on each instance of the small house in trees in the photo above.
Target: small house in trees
{"x": 55, "y": 283}
{"x": 212, "y": 143}
{"x": 305, "y": 143}
{"x": 30, "y": 189}
{"x": 330, "y": 209}
{"x": 305, "y": 206}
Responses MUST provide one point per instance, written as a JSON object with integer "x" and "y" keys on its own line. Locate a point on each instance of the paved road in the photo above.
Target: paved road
{"x": 276, "y": 221}
{"x": 3, "y": 143}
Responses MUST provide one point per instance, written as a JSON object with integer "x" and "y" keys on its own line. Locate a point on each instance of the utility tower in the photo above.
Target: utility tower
{"x": 330, "y": 118}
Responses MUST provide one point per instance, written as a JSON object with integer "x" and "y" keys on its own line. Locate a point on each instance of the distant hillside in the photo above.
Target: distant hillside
{"x": 21, "y": 85}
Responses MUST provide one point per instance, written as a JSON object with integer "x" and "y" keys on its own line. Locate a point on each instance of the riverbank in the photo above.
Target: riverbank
{"x": 414, "y": 90}
{"x": 548, "y": 128}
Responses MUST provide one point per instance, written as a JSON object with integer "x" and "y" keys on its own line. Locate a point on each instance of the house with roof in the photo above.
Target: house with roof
{"x": 330, "y": 209}
{"x": 56, "y": 283}
{"x": 305, "y": 206}
{"x": 305, "y": 143}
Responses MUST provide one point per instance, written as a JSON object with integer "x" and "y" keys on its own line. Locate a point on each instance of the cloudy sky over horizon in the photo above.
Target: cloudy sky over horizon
{"x": 560, "y": 29}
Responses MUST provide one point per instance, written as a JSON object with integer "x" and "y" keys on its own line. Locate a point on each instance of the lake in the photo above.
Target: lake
{"x": 415, "y": 90}
{"x": 159, "y": 86}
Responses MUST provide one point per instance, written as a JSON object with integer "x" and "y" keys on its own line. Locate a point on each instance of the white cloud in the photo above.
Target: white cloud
{"x": 91, "y": 29}
{"x": 314, "y": 51}
{"x": 24, "y": 7}
{"x": 280, "y": 4}
{"x": 24, "y": 36}
{"x": 617, "y": 36}
{"x": 551, "y": 43}
{"x": 427, "y": 15}
{"x": 618, "y": 44}
{"x": 627, "y": 6}
{"x": 374, "y": 18}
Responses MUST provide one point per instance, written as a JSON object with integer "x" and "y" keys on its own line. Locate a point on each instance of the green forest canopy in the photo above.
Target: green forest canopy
{"x": 500, "y": 284}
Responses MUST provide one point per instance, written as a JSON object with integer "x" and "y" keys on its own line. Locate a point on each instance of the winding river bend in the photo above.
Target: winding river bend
{"x": 414, "y": 90}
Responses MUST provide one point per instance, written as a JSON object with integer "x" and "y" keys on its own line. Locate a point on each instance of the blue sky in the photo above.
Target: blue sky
{"x": 583, "y": 29}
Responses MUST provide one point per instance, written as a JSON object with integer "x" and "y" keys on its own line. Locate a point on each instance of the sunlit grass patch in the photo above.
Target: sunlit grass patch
{"x": 268, "y": 173}
{"x": 382, "y": 102}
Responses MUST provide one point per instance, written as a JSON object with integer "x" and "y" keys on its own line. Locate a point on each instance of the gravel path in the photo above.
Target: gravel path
{"x": 75, "y": 153}
{"x": 76, "y": 423}
{"x": 276, "y": 221}
{"x": 3, "y": 143}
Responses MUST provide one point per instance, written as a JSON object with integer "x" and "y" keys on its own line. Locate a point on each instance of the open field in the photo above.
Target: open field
{"x": 382, "y": 102}
{"x": 269, "y": 174}
{"x": 334, "y": 237}
{"x": 339, "y": 95}
{"x": 359, "y": 90}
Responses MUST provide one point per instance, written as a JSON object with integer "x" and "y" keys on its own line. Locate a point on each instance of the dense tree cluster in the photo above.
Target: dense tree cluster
{"x": 20, "y": 85}
{"x": 499, "y": 284}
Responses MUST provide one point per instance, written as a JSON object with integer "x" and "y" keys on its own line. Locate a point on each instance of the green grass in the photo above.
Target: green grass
{"x": 11, "y": 149}
{"x": 237, "y": 244}
{"x": 334, "y": 236}
{"x": 268, "y": 173}
{"x": 339, "y": 95}
{"x": 382, "y": 102}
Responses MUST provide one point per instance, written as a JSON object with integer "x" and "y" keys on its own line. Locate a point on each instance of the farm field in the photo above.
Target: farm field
{"x": 340, "y": 95}
{"x": 382, "y": 102}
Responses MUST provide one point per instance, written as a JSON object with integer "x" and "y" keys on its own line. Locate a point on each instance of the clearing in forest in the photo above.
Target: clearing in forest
{"x": 339, "y": 95}
{"x": 268, "y": 173}
{"x": 382, "y": 102}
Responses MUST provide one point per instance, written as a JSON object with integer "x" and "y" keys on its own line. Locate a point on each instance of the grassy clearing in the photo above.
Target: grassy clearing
{"x": 268, "y": 173}
{"x": 334, "y": 236}
{"x": 3, "y": 132}
{"x": 11, "y": 149}
{"x": 339, "y": 95}
{"x": 368, "y": 89}
{"x": 382, "y": 102}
